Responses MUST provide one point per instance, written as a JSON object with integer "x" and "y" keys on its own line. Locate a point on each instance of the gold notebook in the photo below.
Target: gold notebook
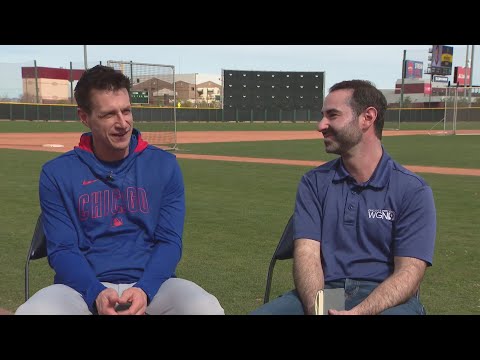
{"x": 329, "y": 299}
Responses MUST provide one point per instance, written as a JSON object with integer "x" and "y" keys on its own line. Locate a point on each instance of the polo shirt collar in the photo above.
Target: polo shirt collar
{"x": 379, "y": 178}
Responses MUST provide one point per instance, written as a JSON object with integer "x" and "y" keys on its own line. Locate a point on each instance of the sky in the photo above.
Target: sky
{"x": 381, "y": 64}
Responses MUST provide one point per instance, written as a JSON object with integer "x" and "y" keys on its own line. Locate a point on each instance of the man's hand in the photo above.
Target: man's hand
{"x": 106, "y": 301}
{"x": 138, "y": 300}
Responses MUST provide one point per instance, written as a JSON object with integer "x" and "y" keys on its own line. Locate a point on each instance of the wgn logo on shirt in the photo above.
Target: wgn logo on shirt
{"x": 381, "y": 214}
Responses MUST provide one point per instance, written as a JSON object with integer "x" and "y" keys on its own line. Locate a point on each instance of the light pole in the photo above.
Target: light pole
{"x": 466, "y": 69}
{"x": 85, "y": 56}
{"x": 404, "y": 61}
{"x": 471, "y": 77}
{"x": 196, "y": 90}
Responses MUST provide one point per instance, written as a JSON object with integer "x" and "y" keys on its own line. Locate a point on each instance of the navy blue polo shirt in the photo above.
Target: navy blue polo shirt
{"x": 361, "y": 227}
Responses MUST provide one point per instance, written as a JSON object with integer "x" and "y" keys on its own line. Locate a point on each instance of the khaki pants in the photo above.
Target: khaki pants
{"x": 175, "y": 297}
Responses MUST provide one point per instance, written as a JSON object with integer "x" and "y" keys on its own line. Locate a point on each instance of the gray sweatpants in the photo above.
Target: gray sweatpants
{"x": 175, "y": 297}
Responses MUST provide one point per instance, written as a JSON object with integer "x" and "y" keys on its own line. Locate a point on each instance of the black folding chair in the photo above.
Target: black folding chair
{"x": 283, "y": 251}
{"x": 38, "y": 250}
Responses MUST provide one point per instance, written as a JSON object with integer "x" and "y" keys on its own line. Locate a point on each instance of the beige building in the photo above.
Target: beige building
{"x": 159, "y": 91}
{"x": 53, "y": 84}
{"x": 48, "y": 89}
{"x": 185, "y": 90}
{"x": 209, "y": 91}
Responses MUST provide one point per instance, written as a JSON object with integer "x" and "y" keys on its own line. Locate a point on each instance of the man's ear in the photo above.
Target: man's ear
{"x": 83, "y": 117}
{"x": 369, "y": 117}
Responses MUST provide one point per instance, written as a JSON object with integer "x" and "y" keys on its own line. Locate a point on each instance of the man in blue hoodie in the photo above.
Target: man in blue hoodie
{"x": 113, "y": 214}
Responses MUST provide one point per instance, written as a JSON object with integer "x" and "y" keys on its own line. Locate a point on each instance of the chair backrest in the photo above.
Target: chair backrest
{"x": 37, "y": 250}
{"x": 284, "y": 248}
{"x": 283, "y": 251}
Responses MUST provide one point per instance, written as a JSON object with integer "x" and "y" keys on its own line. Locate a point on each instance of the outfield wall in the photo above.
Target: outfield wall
{"x": 45, "y": 112}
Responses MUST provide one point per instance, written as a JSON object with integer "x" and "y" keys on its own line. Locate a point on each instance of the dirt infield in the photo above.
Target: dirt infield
{"x": 62, "y": 142}
{"x": 414, "y": 168}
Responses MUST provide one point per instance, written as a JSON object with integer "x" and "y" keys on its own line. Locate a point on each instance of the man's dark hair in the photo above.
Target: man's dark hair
{"x": 99, "y": 77}
{"x": 365, "y": 94}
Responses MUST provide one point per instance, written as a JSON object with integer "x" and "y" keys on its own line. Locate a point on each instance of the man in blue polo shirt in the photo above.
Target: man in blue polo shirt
{"x": 362, "y": 222}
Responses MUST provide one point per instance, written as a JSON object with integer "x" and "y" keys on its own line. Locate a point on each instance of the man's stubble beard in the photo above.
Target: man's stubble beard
{"x": 344, "y": 139}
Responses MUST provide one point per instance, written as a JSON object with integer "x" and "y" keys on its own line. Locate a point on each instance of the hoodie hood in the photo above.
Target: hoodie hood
{"x": 103, "y": 170}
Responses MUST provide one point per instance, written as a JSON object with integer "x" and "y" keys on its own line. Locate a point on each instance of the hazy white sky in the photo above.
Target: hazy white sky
{"x": 381, "y": 64}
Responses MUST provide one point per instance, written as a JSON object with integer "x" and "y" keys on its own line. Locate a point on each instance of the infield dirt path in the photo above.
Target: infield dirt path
{"x": 66, "y": 141}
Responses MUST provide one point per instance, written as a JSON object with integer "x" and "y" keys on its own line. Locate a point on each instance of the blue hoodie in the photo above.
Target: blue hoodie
{"x": 119, "y": 222}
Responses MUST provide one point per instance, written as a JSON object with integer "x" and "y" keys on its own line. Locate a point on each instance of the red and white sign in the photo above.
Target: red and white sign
{"x": 427, "y": 89}
{"x": 459, "y": 76}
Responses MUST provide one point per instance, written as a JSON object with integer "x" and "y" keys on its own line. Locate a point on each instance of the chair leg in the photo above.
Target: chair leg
{"x": 27, "y": 284}
{"x": 266, "y": 297}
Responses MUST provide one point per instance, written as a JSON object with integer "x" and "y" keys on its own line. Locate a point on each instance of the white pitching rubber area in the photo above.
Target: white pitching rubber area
{"x": 53, "y": 145}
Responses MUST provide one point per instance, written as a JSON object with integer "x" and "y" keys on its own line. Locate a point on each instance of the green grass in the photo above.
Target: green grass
{"x": 236, "y": 213}
{"x": 463, "y": 125}
{"x": 19, "y": 209}
{"x": 446, "y": 151}
{"x": 452, "y": 285}
{"x": 75, "y": 126}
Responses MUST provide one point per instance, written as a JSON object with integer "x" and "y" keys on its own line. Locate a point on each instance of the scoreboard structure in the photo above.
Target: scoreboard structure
{"x": 273, "y": 95}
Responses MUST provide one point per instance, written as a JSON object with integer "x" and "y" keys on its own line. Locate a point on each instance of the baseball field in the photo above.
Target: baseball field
{"x": 240, "y": 184}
